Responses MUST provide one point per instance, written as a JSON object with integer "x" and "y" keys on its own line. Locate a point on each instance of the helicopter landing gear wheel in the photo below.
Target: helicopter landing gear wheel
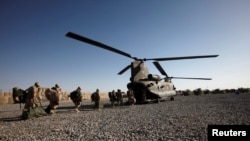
{"x": 171, "y": 98}
{"x": 131, "y": 101}
{"x": 157, "y": 100}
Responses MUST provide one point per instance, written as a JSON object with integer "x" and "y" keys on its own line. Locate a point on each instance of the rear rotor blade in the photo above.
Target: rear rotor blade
{"x": 158, "y": 66}
{"x": 125, "y": 69}
{"x": 180, "y": 58}
{"x": 95, "y": 43}
{"x": 190, "y": 78}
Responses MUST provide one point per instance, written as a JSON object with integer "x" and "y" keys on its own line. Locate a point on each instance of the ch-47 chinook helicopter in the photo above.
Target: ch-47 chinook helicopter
{"x": 146, "y": 86}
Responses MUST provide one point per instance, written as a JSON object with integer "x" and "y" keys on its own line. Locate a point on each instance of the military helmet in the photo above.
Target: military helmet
{"x": 37, "y": 84}
{"x": 57, "y": 86}
{"x": 78, "y": 88}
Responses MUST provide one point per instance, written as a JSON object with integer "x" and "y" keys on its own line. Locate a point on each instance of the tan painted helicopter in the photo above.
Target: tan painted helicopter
{"x": 146, "y": 86}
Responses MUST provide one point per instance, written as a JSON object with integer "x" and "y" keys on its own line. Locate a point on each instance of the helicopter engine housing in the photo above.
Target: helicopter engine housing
{"x": 154, "y": 77}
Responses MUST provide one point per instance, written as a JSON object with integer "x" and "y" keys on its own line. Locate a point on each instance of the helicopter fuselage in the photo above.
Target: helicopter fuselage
{"x": 152, "y": 90}
{"x": 147, "y": 87}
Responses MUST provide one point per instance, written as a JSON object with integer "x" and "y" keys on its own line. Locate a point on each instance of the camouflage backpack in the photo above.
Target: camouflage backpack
{"x": 38, "y": 111}
{"x": 95, "y": 97}
{"x": 19, "y": 95}
{"x": 76, "y": 96}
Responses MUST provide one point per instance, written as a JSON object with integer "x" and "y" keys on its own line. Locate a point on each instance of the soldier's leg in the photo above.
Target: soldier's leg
{"x": 121, "y": 101}
{"x": 112, "y": 103}
{"x": 47, "y": 110}
{"x": 27, "y": 105}
{"x": 55, "y": 105}
{"x": 52, "y": 107}
{"x": 26, "y": 109}
{"x": 77, "y": 106}
{"x": 96, "y": 105}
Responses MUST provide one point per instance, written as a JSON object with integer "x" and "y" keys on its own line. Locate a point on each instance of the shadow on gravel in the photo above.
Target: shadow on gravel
{"x": 90, "y": 107}
{"x": 108, "y": 106}
{"x": 85, "y": 107}
{"x": 10, "y": 119}
{"x": 65, "y": 107}
{"x": 9, "y": 111}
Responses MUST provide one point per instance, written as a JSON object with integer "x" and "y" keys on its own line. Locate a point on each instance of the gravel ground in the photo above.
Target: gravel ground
{"x": 186, "y": 118}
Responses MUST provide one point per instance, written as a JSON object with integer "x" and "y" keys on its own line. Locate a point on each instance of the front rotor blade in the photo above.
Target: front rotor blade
{"x": 158, "y": 66}
{"x": 125, "y": 69}
{"x": 180, "y": 58}
{"x": 95, "y": 43}
{"x": 191, "y": 78}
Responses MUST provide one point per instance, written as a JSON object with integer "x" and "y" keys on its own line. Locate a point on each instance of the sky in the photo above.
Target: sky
{"x": 34, "y": 48}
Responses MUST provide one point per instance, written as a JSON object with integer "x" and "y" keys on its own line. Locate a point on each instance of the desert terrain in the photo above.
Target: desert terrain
{"x": 185, "y": 118}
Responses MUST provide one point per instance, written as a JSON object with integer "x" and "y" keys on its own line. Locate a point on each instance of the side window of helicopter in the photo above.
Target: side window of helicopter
{"x": 165, "y": 87}
{"x": 150, "y": 85}
{"x": 162, "y": 87}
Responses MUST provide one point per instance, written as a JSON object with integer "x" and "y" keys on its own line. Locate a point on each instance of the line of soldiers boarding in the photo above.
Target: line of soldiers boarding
{"x": 118, "y": 97}
{"x": 33, "y": 106}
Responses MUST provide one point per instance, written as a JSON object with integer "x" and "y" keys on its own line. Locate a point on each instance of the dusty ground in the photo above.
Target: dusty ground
{"x": 186, "y": 118}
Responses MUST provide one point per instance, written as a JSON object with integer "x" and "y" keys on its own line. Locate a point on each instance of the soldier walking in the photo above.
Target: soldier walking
{"x": 95, "y": 97}
{"x": 53, "y": 95}
{"x": 76, "y": 97}
{"x": 57, "y": 88}
{"x": 31, "y": 100}
{"x": 119, "y": 97}
{"x": 112, "y": 98}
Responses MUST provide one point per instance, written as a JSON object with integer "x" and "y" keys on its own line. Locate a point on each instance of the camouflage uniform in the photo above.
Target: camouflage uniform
{"x": 57, "y": 88}
{"x": 119, "y": 97}
{"x": 32, "y": 98}
{"x": 53, "y": 95}
{"x": 76, "y": 97}
{"x": 96, "y": 98}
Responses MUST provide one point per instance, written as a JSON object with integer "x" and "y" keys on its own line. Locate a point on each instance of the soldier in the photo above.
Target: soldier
{"x": 57, "y": 88}
{"x": 119, "y": 97}
{"x": 31, "y": 100}
{"x": 96, "y": 98}
{"x": 131, "y": 98}
{"x": 76, "y": 97}
{"x": 112, "y": 98}
{"x": 53, "y": 95}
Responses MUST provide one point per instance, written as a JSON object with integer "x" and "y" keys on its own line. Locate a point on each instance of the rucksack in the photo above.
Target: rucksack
{"x": 76, "y": 96}
{"x": 37, "y": 111}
